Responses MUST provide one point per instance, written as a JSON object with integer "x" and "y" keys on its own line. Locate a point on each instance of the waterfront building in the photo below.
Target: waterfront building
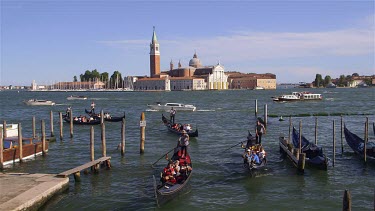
{"x": 239, "y": 80}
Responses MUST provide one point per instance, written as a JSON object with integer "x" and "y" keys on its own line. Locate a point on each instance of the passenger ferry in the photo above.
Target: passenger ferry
{"x": 297, "y": 96}
{"x": 167, "y": 107}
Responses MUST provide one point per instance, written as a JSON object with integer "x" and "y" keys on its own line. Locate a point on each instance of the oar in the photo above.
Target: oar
{"x": 162, "y": 157}
{"x": 232, "y": 146}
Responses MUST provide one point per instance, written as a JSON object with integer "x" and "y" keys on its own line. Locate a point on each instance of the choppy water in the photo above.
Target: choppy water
{"x": 219, "y": 181}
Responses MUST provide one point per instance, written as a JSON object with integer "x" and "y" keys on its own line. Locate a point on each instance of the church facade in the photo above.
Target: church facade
{"x": 193, "y": 77}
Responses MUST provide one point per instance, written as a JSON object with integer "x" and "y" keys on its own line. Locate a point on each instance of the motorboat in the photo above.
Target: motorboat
{"x": 39, "y": 102}
{"x": 11, "y": 130}
{"x": 168, "y": 106}
{"x": 259, "y": 88}
{"x": 76, "y": 97}
{"x": 297, "y": 96}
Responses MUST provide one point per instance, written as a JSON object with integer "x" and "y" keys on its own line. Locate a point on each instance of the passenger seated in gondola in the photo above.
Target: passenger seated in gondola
{"x": 107, "y": 116}
{"x": 169, "y": 173}
{"x": 261, "y": 153}
{"x": 254, "y": 158}
{"x": 75, "y": 118}
{"x": 188, "y": 128}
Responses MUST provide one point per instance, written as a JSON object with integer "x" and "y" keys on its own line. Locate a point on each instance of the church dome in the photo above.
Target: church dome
{"x": 195, "y": 62}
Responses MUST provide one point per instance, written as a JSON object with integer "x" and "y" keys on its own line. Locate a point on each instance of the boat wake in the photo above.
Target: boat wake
{"x": 330, "y": 99}
{"x": 206, "y": 110}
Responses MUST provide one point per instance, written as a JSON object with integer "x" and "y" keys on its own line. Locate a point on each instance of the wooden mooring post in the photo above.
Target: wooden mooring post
{"x": 71, "y": 122}
{"x": 92, "y": 147}
{"x": 123, "y": 136}
{"x": 20, "y": 141}
{"x": 316, "y": 130}
{"x": 34, "y": 127}
{"x": 101, "y": 116}
{"x": 61, "y": 126}
{"x": 43, "y": 125}
{"x": 256, "y": 107}
{"x": 4, "y": 129}
{"x": 143, "y": 135}
{"x": 1, "y": 150}
{"x": 334, "y": 144}
{"x": 265, "y": 115}
{"x": 290, "y": 130}
{"x": 300, "y": 137}
{"x": 366, "y": 140}
{"x": 341, "y": 135}
{"x": 347, "y": 201}
{"x": 51, "y": 124}
{"x": 104, "y": 146}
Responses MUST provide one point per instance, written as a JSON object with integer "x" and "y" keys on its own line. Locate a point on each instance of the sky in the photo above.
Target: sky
{"x": 55, "y": 40}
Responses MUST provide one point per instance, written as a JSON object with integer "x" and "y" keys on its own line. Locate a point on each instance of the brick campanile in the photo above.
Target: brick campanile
{"x": 154, "y": 56}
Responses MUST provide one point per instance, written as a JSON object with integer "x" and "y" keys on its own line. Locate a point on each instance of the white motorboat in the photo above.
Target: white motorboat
{"x": 167, "y": 107}
{"x": 296, "y": 96}
{"x": 259, "y": 88}
{"x": 76, "y": 97}
{"x": 11, "y": 130}
{"x": 39, "y": 102}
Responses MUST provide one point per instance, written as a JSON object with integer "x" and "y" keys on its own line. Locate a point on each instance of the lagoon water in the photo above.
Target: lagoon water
{"x": 219, "y": 182}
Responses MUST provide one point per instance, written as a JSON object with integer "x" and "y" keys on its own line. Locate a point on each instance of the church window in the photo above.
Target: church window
{"x": 157, "y": 48}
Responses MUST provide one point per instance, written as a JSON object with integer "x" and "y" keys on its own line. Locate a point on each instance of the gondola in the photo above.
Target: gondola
{"x": 314, "y": 154}
{"x": 168, "y": 124}
{"x": 357, "y": 144}
{"x": 108, "y": 119}
{"x": 167, "y": 190}
{"x": 77, "y": 122}
{"x": 252, "y": 145}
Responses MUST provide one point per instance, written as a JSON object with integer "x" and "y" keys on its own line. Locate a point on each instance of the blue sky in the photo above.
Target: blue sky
{"x": 51, "y": 41}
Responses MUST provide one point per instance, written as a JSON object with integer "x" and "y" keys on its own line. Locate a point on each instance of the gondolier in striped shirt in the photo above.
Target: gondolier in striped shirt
{"x": 172, "y": 113}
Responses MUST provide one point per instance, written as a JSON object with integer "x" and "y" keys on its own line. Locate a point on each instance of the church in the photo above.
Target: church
{"x": 193, "y": 77}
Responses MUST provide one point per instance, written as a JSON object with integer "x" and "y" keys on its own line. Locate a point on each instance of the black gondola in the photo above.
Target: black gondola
{"x": 108, "y": 119}
{"x": 357, "y": 144}
{"x": 77, "y": 122}
{"x": 166, "y": 190}
{"x": 253, "y": 146}
{"x": 168, "y": 124}
{"x": 314, "y": 154}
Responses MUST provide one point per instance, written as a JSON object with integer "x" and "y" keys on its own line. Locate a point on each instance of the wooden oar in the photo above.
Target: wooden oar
{"x": 232, "y": 146}
{"x": 162, "y": 157}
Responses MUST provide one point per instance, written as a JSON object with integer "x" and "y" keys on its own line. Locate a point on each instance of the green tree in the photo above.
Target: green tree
{"x": 368, "y": 81}
{"x": 75, "y": 79}
{"x": 327, "y": 80}
{"x": 104, "y": 77}
{"x": 342, "y": 81}
{"x": 318, "y": 80}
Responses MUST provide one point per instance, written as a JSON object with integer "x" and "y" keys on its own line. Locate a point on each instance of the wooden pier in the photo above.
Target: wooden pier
{"x": 298, "y": 159}
{"x": 93, "y": 165}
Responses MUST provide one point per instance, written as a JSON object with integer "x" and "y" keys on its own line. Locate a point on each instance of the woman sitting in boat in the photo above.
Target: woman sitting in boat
{"x": 169, "y": 173}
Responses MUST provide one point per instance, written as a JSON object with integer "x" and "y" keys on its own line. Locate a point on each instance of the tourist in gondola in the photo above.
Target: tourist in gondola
{"x": 254, "y": 158}
{"x": 169, "y": 173}
{"x": 172, "y": 113}
{"x": 260, "y": 130}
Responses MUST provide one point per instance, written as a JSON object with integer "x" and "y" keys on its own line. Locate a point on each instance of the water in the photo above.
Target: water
{"x": 219, "y": 181}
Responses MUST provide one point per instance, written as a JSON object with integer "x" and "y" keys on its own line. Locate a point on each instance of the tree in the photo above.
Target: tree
{"x": 327, "y": 80}
{"x": 342, "y": 81}
{"x": 318, "y": 80}
{"x": 75, "y": 79}
{"x": 355, "y": 75}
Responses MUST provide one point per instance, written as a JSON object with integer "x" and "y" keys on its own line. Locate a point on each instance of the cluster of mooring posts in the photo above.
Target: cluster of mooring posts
{"x": 298, "y": 158}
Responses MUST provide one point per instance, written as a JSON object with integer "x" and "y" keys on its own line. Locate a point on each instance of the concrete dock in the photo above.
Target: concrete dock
{"x": 29, "y": 191}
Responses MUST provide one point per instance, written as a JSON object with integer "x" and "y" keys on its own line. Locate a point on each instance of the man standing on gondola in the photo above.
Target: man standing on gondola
{"x": 92, "y": 107}
{"x": 259, "y": 130}
{"x": 172, "y": 113}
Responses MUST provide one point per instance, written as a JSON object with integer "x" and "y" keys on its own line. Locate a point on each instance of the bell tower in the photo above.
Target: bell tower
{"x": 154, "y": 56}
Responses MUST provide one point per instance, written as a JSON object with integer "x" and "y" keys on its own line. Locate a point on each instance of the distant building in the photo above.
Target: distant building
{"x": 194, "y": 77}
{"x": 239, "y": 80}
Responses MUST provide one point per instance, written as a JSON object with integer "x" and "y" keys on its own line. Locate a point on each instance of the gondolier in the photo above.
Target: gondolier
{"x": 92, "y": 107}
{"x": 172, "y": 113}
{"x": 260, "y": 130}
